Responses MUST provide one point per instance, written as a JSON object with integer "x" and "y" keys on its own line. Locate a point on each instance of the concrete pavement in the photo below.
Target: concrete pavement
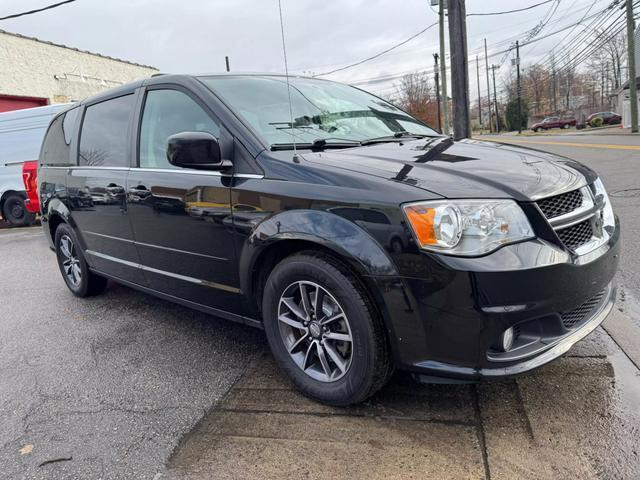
{"x": 575, "y": 418}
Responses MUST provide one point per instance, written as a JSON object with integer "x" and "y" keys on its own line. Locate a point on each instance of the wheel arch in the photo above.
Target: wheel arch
{"x": 7, "y": 193}
{"x": 55, "y": 213}
{"x": 295, "y": 231}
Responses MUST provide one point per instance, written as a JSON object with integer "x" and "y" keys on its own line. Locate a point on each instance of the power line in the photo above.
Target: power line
{"x": 509, "y": 11}
{"x": 37, "y": 10}
{"x": 378, "y": 54}
{"x": 390, "y": 77}
{"x": 507, "y": 41}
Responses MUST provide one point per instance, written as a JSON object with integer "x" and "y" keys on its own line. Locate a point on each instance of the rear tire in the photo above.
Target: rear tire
{"x": 73, "y": 266}
{"x": 312, "y": 349}
{"x": 15, "y": 212}
{"x": 566, "y": 126}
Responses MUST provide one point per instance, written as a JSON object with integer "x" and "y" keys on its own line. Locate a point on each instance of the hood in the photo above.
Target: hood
{"x": 464, "y": 169}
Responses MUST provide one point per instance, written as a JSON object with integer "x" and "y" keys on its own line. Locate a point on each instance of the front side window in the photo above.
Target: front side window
{"x": 104, "y": 134}
{"x": 322, "y": 110}
{"x": 167, "y": 112}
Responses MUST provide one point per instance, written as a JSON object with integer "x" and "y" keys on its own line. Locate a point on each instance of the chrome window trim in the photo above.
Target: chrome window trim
{"x": 211, "y": 173}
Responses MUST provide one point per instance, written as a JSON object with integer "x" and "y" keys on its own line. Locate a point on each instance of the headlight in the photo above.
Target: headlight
{"x": 467, "y": 227}
{"x": 608, "y": 218}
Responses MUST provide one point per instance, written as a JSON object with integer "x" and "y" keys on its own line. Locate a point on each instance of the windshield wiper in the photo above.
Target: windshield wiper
{"x": 396, "y": 137}
{"x": 318, "y": 144}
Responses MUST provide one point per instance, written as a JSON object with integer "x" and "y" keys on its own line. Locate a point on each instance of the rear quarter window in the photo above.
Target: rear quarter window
{"x": 55, "y": 150}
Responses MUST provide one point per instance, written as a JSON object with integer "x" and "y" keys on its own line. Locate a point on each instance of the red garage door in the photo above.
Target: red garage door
{"x": 12, "y": 102}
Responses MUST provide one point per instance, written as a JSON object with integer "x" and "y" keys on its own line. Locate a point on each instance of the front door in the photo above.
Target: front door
{"x": 181, "y": 217}
{"x": 96, "y": 189}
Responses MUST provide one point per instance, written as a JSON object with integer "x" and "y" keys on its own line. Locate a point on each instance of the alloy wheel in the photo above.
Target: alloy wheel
{"x": 315, "y": 331}
{"x": 70, "y": 261}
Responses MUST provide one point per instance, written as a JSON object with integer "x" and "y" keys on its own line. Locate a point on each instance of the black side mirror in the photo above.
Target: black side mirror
{"x": 199, "y": 150}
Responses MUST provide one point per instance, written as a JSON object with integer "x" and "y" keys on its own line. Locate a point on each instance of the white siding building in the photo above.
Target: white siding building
{"x": 34, "y": 72}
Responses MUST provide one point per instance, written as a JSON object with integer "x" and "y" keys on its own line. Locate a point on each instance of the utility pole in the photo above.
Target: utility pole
{"x": 486, "y": 64}
{"x": 459, "y": 69}
{"x": 479, "y": 96}
{"x": 518, "y": 87}
{"x": 495, "y": 97}
{"x": 437, "y": 79}
{"x": 553, "y": 70}
{"x": 226, "y": 60}
{"x": 602, "y": 87}
{"x": 443, "y": 69}
{"x": 631, "y": 49}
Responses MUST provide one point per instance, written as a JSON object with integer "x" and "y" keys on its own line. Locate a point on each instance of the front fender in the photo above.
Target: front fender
{"x": 331, "y": 231}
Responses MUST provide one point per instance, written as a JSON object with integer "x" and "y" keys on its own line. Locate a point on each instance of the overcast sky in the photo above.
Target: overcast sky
{"x": 192, "y": 36}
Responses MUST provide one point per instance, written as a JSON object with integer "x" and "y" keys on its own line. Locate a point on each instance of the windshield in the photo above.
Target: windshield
{"x": 322, "y": 110}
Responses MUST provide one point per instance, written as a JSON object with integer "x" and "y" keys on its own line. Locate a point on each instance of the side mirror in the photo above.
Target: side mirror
{"x": 199, "y": 150}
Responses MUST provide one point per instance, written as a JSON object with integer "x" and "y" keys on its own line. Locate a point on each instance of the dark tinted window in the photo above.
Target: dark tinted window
{"x": 167, "y": 112}
{"x": 68, "y": 124}
{"x": 103, "y": 139}
{"x": 55, "y": 150}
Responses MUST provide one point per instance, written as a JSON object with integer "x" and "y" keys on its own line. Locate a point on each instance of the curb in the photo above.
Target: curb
{"x": 626, "y": 335}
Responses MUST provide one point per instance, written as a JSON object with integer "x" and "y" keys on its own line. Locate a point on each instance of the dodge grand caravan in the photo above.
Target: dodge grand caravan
{"x": 357, "y": 237}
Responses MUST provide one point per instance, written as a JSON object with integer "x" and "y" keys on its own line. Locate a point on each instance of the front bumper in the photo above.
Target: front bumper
{"x": 444, "y": 322}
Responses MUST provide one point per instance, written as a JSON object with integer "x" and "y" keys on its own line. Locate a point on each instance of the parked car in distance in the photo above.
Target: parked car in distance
{"x": 553, "y": 122}
{"x": 357, "y": 237}
{"x": 608, "y": 118}
{"x": 21, "y": 134}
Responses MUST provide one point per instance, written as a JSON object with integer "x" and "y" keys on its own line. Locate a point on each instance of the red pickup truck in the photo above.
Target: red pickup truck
{"x": 554, "y": 122}
{"x": 29, "y": 178}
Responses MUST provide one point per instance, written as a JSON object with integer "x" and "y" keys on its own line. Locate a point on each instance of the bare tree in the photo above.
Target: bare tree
{"x": 415, "y": 95}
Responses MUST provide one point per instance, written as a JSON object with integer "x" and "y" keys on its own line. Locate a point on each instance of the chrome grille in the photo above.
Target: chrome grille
{"x": 576, "y": 235}
{"x": 575, "y": 317}
{"x": 573, "y": 216}
{"x": 561, "y": 204}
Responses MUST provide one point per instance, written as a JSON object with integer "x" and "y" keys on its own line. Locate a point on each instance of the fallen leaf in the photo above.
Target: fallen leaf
{"x": 28, "y": 448}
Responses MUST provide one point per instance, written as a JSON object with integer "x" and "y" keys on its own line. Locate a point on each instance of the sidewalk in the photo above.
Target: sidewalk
{"x": 608, "y": 130}
{"x": 574, "y": 418}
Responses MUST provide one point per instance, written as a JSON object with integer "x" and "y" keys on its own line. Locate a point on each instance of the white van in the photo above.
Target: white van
{"x": 21, "y": 134}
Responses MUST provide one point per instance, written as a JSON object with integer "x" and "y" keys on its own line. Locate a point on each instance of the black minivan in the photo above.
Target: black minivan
{"x": 356, "y": 236}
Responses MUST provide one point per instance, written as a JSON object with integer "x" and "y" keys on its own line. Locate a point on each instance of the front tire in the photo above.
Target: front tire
{"x": 73, "y": 266}
{"x": 324, "y": 331}
{"x": 15, "y": 212}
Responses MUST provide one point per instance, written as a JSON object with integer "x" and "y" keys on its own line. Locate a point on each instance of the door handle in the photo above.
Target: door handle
{"x": 139, "y": 191}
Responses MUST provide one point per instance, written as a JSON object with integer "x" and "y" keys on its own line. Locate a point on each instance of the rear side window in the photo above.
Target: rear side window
{"x": 104, "y": 135}
{"x": 55, "y": 150}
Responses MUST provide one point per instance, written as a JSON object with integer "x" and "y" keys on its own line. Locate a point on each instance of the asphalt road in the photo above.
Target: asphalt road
{"x": 103, "y": 387}
{"x": 128, "y": 386}
{"x": 616, "y": 158}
